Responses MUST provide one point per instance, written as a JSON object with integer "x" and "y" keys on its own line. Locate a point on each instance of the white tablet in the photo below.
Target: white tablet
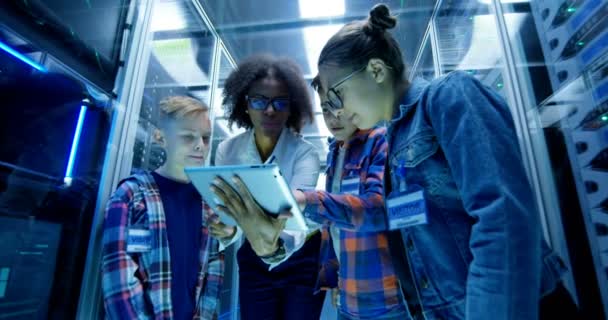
{"x": 265, "y": 182}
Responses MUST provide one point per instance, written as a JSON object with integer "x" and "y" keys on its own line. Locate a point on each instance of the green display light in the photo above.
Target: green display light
{"x": 571, "y": 9}
{"x": 581, "y": 43}
{"x": 604, "y": 118}
{"x": 500, "y": 85}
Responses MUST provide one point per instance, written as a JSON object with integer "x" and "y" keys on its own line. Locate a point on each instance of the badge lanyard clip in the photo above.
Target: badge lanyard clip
{"x": 401, "y": 174}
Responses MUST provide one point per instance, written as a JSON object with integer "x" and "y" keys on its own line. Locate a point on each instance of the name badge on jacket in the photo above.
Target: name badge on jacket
{"x": 406, "y": 206}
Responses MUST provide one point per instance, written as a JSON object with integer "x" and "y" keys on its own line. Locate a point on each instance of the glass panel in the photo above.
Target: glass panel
{"x": 561, "y": 53}
{"x": 52, "y": 150}
{"x": 468, "y": 40}
{"x": 426, "y": 66}
{"x": 96, "y": 24}
{"x": 221, "y": 130}
{"x": 180, "y": 64}
{"x": 317, "y": 132}
{"x": 85, "y": 35}
{"x": 299, "y": 29}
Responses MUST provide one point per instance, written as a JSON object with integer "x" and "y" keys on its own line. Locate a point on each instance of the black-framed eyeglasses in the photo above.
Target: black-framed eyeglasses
{"x": 334, "y": 101}
{"x": 260, "y": 102}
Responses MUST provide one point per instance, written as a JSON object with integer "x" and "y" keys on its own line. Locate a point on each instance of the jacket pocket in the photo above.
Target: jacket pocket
{"x": 415, "y": 150}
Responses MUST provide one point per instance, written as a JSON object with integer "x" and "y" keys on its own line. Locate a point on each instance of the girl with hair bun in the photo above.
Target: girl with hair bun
{"x": 465, "y": 233}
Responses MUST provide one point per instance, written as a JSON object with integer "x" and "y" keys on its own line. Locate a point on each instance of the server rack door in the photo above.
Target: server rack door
{"x": 54, "y": 126}
{"x": 560, "y": 49}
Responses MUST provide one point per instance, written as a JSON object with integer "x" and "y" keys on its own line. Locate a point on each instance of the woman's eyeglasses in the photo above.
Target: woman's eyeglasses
{"x": 259, "y": 102}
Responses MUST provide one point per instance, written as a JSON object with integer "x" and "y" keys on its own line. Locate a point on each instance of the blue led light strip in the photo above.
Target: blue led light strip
{"x": 21, "y": 57}
{"x": 75, "y": 142}
{"x": 83, "y": 110}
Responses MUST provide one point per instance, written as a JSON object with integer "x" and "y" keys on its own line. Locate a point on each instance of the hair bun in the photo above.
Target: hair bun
{"x": 380, "y": 19}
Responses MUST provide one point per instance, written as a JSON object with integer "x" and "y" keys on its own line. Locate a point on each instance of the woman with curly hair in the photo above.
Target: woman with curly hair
{"x": 277, "y": 269}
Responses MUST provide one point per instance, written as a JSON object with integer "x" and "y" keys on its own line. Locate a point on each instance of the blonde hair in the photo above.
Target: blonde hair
{"x": 180, "y": 107}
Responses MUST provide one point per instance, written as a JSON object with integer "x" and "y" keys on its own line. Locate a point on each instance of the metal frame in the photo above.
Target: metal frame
{"x": 435, "y": 48}
{"x": 429, "y": 35}
{"x": 551, "y": 219}
{"x": 435, "y": 39}
{"x": 216, "y": 60}
{"x": 120, "y": 148}
{"x": 220, "y": 50}
{"x": 420, "y": 53}
{"x": 542, "y": 182}
{"x": 299, "y": 23}
{"x": 518, "y": 106}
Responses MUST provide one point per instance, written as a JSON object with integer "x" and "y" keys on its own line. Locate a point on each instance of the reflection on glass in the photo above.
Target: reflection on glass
{"x": 298, "y": 29}
{"x": 426, "y": 66}
{"x": 221, "y": 128}
{"x": 221, "y": 132}
{"x": 44, "y": 220}
{"x": 468, "y": 40}
{"x": 316, "y": 37}
{"x": 562, "y": 58}
{"x": 180, "y": 64}
{"x": 317, "y": 132}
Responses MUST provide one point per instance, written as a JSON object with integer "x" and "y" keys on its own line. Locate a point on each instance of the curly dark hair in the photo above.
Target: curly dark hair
{"x": 258, "y": 67}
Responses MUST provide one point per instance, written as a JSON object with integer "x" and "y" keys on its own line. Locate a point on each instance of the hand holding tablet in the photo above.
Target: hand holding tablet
{"x": 237, "y": 192}
{"x": 260, "y": 228}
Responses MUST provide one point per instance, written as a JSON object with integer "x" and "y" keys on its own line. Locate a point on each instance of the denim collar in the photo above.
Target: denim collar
{"x": 411, "y": 97}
